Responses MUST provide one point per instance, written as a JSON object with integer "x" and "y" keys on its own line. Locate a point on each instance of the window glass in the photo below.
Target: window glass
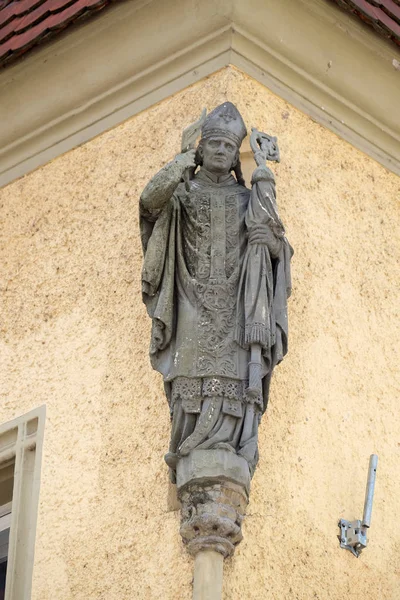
{"x": 6, "y": 483}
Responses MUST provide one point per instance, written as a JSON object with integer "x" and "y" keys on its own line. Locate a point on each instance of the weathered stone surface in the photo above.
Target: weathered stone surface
{"x": 213, "y": 487}
{"x": 211, "y": 515}
{"x": 215, "y": 281}
{"x": 213, "y": 465}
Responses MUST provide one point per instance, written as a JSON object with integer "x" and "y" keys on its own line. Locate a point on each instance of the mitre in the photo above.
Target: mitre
{"x": 226, "y": 121}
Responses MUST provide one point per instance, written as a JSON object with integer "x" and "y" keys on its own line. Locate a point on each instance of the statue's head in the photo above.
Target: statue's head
{"x": 221, "y": 137}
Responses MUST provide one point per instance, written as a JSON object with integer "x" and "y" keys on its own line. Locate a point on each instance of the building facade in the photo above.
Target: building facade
{"x": 101, "y": 520}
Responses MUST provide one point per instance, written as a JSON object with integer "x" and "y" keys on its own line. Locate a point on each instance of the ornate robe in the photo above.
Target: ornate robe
{"x": 194, "y": 283}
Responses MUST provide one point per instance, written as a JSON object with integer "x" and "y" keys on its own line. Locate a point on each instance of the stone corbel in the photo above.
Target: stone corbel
{"x": 213, "y": 487}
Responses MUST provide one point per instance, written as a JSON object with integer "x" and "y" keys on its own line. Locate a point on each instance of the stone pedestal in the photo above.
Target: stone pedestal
{"x": 213, "y": 487}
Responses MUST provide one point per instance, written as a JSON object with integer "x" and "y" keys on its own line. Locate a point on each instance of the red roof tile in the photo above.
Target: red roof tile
{"x": 26, "y": 23}
{"x": 383, "y": 15}
{"x": 10, "y": 10}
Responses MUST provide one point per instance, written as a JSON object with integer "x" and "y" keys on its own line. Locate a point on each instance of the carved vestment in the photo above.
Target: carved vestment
{"x": 195, "y": 286}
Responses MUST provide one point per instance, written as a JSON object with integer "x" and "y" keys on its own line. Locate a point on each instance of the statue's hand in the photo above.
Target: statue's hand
{"x": 162, "y": 186}
{"x": 263, "y": 234}
{"x": 186, "y": 160}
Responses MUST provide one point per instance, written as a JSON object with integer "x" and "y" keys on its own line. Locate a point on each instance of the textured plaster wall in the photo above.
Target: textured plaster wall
{"x": 74, "y": 335}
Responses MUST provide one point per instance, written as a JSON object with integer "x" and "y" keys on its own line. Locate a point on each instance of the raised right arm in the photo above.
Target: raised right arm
{"x": 161, "y": 187}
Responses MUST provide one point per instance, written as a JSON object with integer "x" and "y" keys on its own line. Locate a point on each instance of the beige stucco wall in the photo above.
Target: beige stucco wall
{"x": 74, "y": 335}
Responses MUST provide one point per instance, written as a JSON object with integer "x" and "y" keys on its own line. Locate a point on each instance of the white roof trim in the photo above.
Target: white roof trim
{"x": 137, "y": 53}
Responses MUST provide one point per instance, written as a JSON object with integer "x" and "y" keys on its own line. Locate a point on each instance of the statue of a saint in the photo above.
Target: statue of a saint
{"x": 216, "y": 279}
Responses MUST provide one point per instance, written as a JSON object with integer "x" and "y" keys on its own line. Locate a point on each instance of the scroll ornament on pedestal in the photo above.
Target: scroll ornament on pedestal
{"x": 215, "y": 281}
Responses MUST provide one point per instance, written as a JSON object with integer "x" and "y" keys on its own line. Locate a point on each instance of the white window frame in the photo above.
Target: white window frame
{"x": 5, "y": 523}
{"x": 21, "y": 440}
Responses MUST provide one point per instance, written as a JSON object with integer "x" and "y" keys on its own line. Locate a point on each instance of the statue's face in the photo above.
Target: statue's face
{"x": 219, "y": 155}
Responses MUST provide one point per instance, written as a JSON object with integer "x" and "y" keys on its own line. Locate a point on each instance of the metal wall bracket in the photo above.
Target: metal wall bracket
{"x": 353, "y": 534}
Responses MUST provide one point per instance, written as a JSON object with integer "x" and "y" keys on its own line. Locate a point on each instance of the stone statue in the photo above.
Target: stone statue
{"x": 215, "y": 281}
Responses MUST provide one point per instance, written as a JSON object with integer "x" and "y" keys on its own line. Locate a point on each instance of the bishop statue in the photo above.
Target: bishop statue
{"x": 215, "y": 281}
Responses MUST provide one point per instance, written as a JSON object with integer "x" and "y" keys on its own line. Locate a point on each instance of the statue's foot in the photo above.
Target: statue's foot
{"x": 172, "y": 460}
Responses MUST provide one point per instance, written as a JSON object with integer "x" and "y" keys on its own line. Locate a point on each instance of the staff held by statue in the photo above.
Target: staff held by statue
{"x": 262, "y": 213}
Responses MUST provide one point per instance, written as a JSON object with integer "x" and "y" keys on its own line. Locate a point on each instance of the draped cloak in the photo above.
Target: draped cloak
{"x": 208, "y": 291}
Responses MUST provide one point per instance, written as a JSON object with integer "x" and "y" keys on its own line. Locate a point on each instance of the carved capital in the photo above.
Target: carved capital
{"x": 213, "y": 488}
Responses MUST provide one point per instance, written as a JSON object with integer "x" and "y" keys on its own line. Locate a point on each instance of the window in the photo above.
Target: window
{"x": 20, "y": 462}
{"x": 6, "y": 493}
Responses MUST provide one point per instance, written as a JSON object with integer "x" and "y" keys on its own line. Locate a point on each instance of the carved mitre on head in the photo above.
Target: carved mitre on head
{"x": 226, "y": 121}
